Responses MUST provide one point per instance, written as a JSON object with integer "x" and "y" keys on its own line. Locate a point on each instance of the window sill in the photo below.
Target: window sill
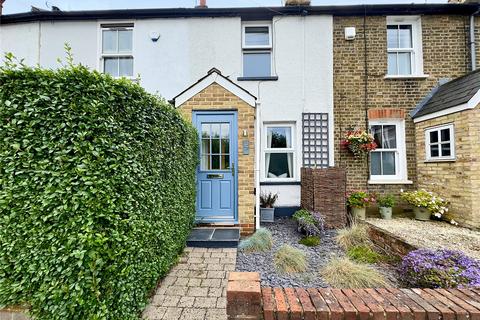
{"x": 439, "y": 160}
{"x": 269, "y": 78}
{"x": 280, "y": 183}
{"x": 390, "y": 182}
{"x": 406, "y": 77}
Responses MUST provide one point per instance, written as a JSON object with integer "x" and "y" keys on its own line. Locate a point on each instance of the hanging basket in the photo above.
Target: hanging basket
{"x": 359, "y": 142}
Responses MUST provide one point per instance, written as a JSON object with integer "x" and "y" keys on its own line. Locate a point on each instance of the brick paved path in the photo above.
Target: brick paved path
{"x": 195, "y": 288}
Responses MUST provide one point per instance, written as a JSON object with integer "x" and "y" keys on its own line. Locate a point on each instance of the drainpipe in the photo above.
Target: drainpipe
{"x": 257, "y": 165}
{"x": 472, "y": 41}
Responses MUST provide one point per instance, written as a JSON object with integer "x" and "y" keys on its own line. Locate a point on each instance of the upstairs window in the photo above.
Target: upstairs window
{"x": 439, "y": 143}
{"x": 117, "y": 43}
{"x": 404, "y": 46}
{"x": 257, "y": 51}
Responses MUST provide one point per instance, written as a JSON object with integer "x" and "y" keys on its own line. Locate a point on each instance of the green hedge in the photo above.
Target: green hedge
{"x": 97, "y": 192}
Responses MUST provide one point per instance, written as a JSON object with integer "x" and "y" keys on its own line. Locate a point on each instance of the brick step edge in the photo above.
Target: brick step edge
{"x": 246, "y": 299}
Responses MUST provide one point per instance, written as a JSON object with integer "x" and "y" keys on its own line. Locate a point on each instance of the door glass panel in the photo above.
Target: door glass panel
{"x": 215, "y": 162}
{"x": 215, "y": 146}
{"x": 215, "y": 130}
{"x": 225, "y": 146}
{"x": 225, "y": 162}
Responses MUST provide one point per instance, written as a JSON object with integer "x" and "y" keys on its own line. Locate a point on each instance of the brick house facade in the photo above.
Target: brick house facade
{"x": 445, "y": 55}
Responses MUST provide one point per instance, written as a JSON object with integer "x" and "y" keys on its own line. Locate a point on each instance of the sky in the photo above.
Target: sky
{"x": 15, "y": 6}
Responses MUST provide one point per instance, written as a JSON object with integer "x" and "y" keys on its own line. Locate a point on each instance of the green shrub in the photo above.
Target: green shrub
{"x": 355, "y": 235}
{"x": 344, "y": 273}
{"x": 290, "y": 260}
{"x": 386, "y": 201}
{"x": 364, "y": 254}
{"x": 97, "y": 192}
{"x": 310, "y": 241}
{"x": 261, "y": 240}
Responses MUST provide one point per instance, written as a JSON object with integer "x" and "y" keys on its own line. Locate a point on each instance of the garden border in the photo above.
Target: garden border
{"x": 388, "y": 242}
{"x": 246, "y": 299}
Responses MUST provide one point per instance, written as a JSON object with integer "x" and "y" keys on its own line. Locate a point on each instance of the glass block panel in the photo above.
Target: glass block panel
{"x": 315, "y": 135}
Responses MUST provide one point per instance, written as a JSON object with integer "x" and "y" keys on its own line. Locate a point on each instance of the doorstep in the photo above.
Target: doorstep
{"x": 214, "y": 237}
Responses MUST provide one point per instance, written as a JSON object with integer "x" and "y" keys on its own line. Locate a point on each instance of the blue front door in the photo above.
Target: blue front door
{"x": 216, "y": 175}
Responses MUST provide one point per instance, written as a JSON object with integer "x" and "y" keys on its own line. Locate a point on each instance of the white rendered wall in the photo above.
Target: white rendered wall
{"x": 189, "y": 47}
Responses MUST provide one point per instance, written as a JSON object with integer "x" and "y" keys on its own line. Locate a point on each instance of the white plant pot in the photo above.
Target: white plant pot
{"x": 359, "y": 213}
{"x": 421, "y": 214}
{"x": 386, "y": 213}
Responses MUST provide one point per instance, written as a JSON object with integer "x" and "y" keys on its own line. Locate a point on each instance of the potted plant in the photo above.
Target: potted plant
{"x": 358, "y": 202}
{"x": 425, "y": 204}
{"x": 267, "y": 211}
{"x": 359, "y": 142}
{"x": 385, "y": 204}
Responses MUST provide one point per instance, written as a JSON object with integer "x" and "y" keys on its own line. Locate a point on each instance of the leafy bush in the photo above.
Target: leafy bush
{"x": 360, "y": 199}
{"x": 426, "y": 268}
{"x": 355, "y": 235}
{"x": 97, "y": 192}
{"x": 312, "y": 241}
{"x": 290, "y": 260}
{"x": 261, "y": 240}
{"x": 364, "y": 254}
{"x": 312, "y": 223}
{"x": 386, "y": 201}
{"x": 344, "y": 273}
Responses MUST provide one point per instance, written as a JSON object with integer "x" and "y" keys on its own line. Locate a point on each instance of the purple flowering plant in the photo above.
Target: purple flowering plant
{"x": 427, "y": 268}
{"x": 311, "y": 223}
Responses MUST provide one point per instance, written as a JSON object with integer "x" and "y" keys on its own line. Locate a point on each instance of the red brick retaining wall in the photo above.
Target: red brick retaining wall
{"x": 323, "y": 190}
{"x": 388, "y": 241}
{"x": 247, "y": 300}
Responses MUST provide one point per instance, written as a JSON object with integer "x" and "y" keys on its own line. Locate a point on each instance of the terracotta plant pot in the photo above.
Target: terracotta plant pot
{"x": 421, "y": 214}
{"x": 386, "y": 213}
{"x": 359, "y": 213}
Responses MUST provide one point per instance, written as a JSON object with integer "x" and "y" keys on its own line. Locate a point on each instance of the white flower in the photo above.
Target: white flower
{"x": 438, "y": 215}
{"x": 446, "y": 209}
{"x": 401, "y": 190}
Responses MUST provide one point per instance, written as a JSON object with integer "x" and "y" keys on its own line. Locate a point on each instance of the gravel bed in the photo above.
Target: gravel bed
{"x": 433, "y": 234}
{"x": 284, "y": 232}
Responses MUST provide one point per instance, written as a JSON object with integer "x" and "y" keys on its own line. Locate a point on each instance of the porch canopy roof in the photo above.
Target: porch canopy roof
{"x": 452, "y": 96}
{"x": 213, "y": 76}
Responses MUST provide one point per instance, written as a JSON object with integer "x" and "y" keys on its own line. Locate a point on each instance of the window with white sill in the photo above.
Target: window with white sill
{"x": 440, "y": 143}
{"x": 117, "y": 53}
{"x": 279, "y": 152}
{"x": 257, "y": 50}
{"x": 404, "y": 47}
{"x": 388, "y": 160}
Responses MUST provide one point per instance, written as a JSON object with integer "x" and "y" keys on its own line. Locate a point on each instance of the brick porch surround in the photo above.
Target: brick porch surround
{"x": 246, "y": 299}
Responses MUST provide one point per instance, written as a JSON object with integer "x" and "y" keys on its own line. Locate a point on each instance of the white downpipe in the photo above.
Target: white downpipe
{"x": 257, "y": 140}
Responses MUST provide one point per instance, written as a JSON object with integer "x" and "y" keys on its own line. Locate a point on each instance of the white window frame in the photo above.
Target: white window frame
{"x": 438, "y": 128}
{"x": 400, "y": 154}
{"x": 127, "y": 25}
{"x": 291, "y": 150}
{"x": 416, "y": 51}
{"x": 258, "y": 48}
